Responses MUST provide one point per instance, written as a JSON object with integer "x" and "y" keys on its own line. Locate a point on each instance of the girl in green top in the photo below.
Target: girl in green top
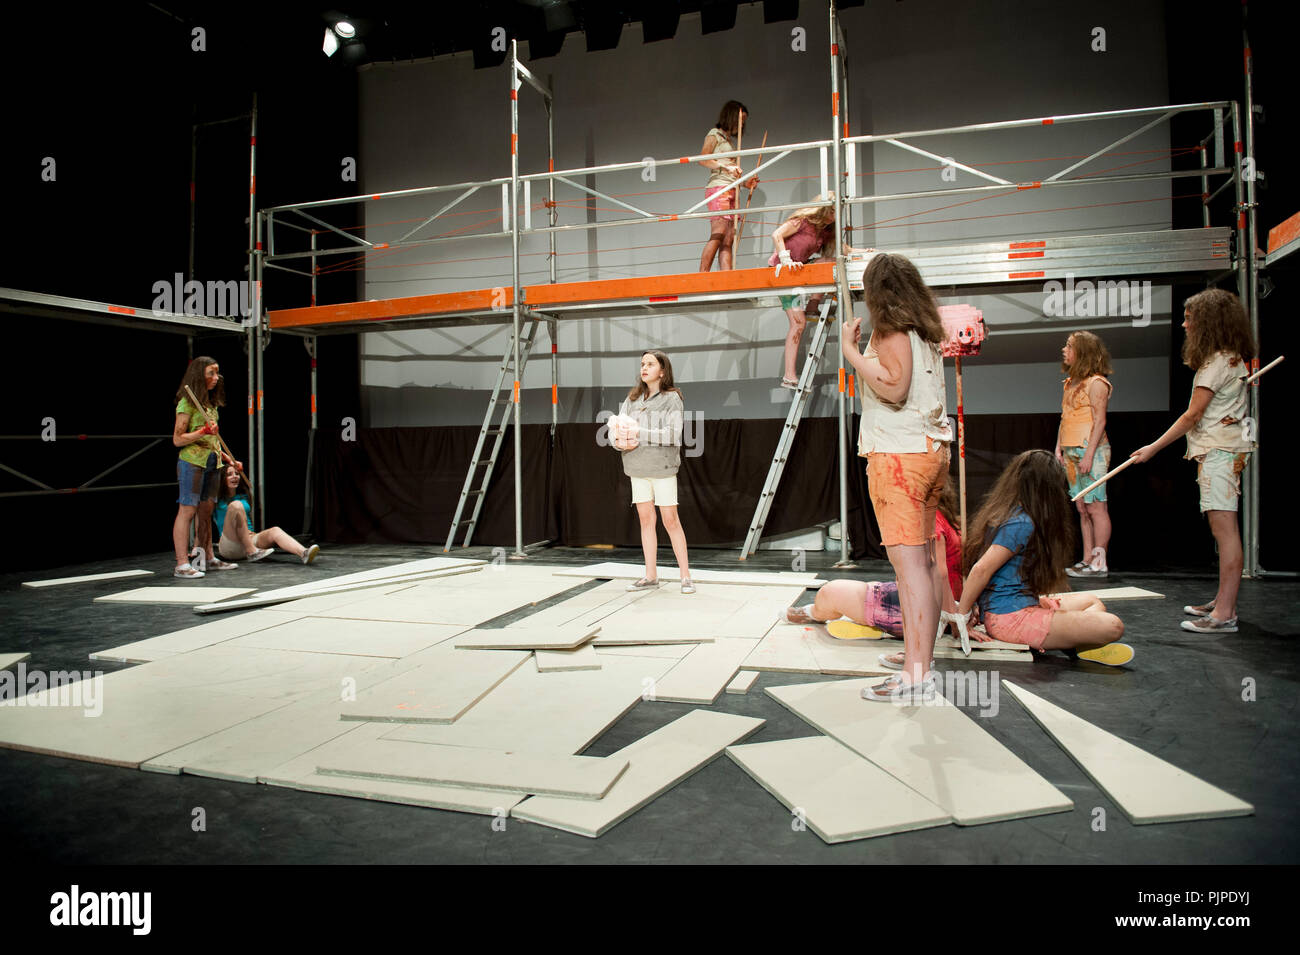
{"x": 198, "y": 464}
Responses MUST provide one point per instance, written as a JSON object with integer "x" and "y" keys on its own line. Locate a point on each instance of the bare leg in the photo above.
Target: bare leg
{"x": 645, "y": 510}
{"x": 1223, "y": 525}
{"x": 235, "y": 528}
{"x": 1082, "y": 623}
{"x": 203, "y": 530}
{"x": 710, "y": 250}
{"x": 181, "y": 533}
{"x": 1099, "y": 519}
{"x": 920, "y": 605}
{"x": 842, "y": 598}
{"x": 797, "y": 322}
{"x": 677, "y": 536}
{"x": 1085, "y": 528}
{"x": 275, "y": 537}
{"x": 724, "y": 253}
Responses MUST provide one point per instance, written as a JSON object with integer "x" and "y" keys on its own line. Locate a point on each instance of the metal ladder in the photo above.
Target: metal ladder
{"x": 499, "y": 408}
{"x": 815, "y": 348}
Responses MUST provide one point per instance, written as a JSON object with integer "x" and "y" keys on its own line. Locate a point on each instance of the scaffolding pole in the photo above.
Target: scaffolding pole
{"x": 1251, "y": 563}
{"x": 254, "y": 332}
{"x": 518, "y": 290}
{"x": 845, "y": 310}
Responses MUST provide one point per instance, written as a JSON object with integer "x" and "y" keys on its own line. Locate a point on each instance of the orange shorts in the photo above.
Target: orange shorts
{"x": 1028, "y": 626}
{"x": 905, "y": 490}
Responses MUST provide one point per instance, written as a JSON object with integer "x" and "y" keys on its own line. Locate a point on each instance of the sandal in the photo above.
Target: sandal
{"x": 790, "y": 383}
{"x": 887, "y": 660}
{"x": 1204, "y": 610}
{"x": 645, "y": 583}
{"x": 261, "y": 554}
{"x": 896, "y": 691}
{"x": 185, "y": 570}
{"x": 800, "y": 616}
{"x": 216, "y": 563}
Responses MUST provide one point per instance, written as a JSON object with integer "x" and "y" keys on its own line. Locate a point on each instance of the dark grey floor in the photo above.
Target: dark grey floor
{"x": 1181, "y": 699}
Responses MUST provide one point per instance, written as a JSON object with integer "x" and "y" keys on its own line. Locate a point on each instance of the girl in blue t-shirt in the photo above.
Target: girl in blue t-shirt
{"x": 1019, "y": 541}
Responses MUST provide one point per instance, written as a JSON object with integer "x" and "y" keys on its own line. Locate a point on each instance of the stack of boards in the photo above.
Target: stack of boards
{"x": 385, "y": 685}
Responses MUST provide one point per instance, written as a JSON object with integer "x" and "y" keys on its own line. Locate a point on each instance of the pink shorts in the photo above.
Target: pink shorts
{"x": 1028, "y": 626}
{"x": 720, "y": 203}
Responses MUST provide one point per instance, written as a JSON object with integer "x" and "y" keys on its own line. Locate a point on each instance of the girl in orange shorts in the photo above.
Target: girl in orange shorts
{"x": 1017, "y": 545}
{"x": 904, "y": 436}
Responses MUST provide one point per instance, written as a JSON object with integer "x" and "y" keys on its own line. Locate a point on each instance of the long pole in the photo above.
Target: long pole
{"x": 553, "y": 218}
{"x": 514, "y": 266}
{"x": 1245, "y": 253}
{"x": 961, "y": 447}
{"x": 1251, "y": 562}
{"x": 845, "y": 303}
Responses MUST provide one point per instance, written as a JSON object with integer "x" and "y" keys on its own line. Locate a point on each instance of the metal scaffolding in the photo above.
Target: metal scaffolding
{"x": 1203, "y": 253}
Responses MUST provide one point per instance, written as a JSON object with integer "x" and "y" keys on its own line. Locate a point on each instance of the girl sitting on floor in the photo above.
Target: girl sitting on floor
{"x": 232, "y": 521}
{"x": 1018, "y": 544}
{"x": 875, "y": 603}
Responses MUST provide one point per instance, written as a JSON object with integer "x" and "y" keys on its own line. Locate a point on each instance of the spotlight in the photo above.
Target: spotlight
{"x": 331, "y": 44}
{"x": 660, "y": 23}
{"x": 717, "y": 16}
{"x": 345, "y": 29}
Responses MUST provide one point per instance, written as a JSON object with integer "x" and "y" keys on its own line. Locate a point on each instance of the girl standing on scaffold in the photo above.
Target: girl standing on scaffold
{"x": 722, "y": 228}
{"x": 1219, "y": 346}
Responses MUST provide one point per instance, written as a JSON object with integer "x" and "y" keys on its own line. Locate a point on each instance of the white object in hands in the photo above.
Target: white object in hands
{"x": 960, "y": 619}
{"x": 624, "y": 432}
{"x": 785, "y": 261}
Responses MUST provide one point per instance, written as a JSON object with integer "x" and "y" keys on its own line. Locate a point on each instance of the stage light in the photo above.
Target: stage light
{"x": 776, "y": 11}
{"x": 331, "y": 44}
{"x": 717, "y": 16}
{"x": 345, "y": 29}
{"x": 660, "y": 23}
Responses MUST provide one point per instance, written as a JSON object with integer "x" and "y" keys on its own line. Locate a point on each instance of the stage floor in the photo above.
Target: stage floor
{"x": 1181, "y": 700}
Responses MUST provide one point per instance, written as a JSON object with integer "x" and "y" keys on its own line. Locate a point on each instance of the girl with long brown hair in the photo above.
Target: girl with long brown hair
{"x": 722, "y": 228}
{"x": 1082, "y": 446}
{"x": 651, "y": 457}
{"x": 199, "y": 463}
{"x": 904, "y": 436}
{"x": 1219, "y": 346}
{"x": 1013, "y": 555}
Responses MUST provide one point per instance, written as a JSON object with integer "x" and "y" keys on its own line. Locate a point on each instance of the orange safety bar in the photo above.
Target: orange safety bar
{"x": 661, "y": 288}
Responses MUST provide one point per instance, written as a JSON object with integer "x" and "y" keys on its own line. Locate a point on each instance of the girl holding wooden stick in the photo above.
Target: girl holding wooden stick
{"x": 1082, "y": 446}
{"x": 199, "y": 463}
{"x": 724, "y": 172}
{"x": 1219, "y": 346}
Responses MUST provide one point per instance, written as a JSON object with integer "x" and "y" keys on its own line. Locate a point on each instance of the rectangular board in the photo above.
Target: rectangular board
{"x": 703, "y": 673}
{"x": 179, "y": 594}
{"x": 742, "y": 681}
{"x": 620, "y": 571}
{"x": 1145, "y": 787}
{"x": 85, "y": 579}
{"x": 1118, "y": 593}
{"x": 375, "y": 638}
{"x": 557, "y": 661}
{"x": 192, "y": 638}
{"x": 445, "y": 683}
{"x": 465, "y": 767}
{"x": 657, "y": 763}
{"x": 937, "y": 750}
{"x": 840, "y": 795}
{"x": 567, "y": 637}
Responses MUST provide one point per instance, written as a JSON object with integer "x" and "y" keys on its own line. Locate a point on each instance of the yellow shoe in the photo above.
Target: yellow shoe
{"x": 1113, "y": 654}
{"x": 848, "y": 630}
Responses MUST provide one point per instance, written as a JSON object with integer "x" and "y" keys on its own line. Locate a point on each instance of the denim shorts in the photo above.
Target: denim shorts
{"x": 197, "y": 483}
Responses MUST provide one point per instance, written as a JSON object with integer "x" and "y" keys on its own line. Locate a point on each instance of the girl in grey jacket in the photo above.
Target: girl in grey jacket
{"x": 652, "y": 463}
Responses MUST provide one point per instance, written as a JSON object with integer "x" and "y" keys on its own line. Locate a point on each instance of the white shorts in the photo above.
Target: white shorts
{"x": 230, "y": 549}
{"x": 662, "y": 491}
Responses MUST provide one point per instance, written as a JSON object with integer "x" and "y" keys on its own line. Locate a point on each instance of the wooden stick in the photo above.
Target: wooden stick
{"x": 740, "y": 229}
{"x": 961, "y": 448}
{"x": 740, "y": 144}
{"x": 225, "y": 447}
{"x": 1273, "y": 364}
{"x": 1103, "y": 479}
